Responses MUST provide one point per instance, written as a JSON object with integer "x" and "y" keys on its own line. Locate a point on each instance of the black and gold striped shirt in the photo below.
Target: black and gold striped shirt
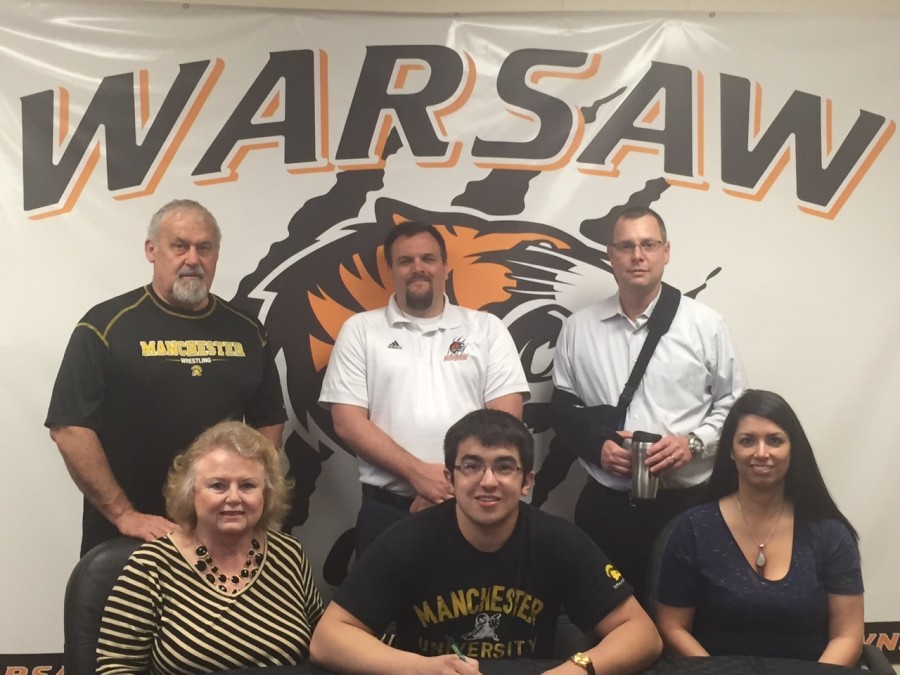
{"x": 163, "y": 617}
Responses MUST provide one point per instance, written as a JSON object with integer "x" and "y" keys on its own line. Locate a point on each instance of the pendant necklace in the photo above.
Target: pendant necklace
{"x": 761, "y": 558}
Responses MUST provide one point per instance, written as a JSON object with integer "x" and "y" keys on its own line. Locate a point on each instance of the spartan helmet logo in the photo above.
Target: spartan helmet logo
{"x": 612, "y": 573}
{"x": 331, "y": 265}
{"x": 196, "y": 371}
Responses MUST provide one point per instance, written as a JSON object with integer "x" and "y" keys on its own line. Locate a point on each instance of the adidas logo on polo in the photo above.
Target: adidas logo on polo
{"x": 394, "y": 345}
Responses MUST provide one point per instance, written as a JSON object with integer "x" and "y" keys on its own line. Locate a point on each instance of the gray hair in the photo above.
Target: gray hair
{"x": 182, "y": 205}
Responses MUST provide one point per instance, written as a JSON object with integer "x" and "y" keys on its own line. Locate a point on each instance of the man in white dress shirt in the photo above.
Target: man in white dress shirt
{"x": 691, "y": 381}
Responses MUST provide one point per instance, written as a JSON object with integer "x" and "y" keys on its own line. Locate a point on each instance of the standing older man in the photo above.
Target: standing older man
{"x": 147, "y": 371}
{"x": 399, "y": 376}
{"x": 690, "y": 383}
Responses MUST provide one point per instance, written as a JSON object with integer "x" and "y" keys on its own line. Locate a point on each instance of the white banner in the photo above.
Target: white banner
{"x": 766, "y": 142}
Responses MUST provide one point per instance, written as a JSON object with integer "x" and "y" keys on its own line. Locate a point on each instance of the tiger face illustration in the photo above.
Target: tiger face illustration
{"x": 331, "y": 266}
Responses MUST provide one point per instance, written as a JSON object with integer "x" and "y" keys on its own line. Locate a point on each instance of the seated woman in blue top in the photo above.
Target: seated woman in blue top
{"x": 770, "y": 567}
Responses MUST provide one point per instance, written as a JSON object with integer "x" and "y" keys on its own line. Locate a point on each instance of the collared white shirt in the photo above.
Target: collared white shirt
{"x": 416, "y": 379}
{"x": 690, "y": 384}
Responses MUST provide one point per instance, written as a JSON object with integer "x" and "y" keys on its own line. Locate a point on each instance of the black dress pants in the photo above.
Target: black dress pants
{"x": 625, "y": 531}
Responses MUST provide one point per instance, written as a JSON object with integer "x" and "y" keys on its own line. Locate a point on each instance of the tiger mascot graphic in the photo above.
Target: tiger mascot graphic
{"x": 331, "y": 266}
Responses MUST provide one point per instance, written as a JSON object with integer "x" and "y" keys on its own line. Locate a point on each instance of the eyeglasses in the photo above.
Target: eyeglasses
{"x": 500, "y": 469}
{"x": 627, "y": 247}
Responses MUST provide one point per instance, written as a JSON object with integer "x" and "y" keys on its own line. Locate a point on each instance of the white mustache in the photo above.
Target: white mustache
{"x": 189, "y": 271}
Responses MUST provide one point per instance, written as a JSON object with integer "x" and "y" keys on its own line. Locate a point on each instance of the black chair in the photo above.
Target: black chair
{"x": 86, "y": 592}
{"x": 654, "y": 567}
{"x": 872, "y": 658}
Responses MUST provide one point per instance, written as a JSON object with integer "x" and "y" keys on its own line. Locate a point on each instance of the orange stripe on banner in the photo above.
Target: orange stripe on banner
{"x": 460, "y": 100}
{"x": 273, "y": 106}
{"x": 857, "y": 177}
{"x": 589, "y": 70}
{"x": 768, "y": 182}
{"x": 451, "y": 160}
{"x": 323, "y": 105}
{"x": 403, "y": 73}
{"x": 235, "y": 163}
{"x": 144, "y": 95}
{"x": 387, "y": 123}
{"x": 618, "y": 158}
{"x": 653, "y": 113}
{"x": 80, "y": 182}
{"x": 180, "y": 133}
{"x": 324, "y": 140}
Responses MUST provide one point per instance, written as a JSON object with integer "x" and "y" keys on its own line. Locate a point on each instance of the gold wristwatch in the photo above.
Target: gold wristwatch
{"x": 584, "y": 661}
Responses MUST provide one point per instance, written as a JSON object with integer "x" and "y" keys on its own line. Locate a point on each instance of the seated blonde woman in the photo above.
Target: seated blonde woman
{"x": 227, "y": 591}
{"x": 770, "y": 567}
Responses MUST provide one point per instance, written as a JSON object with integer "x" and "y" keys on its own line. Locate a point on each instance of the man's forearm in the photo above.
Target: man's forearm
{"x": 511, "y": 403}
{"x": 87, "y": 464}
{"x": 630, "y": 648}
{"x": 353, "y": 426}
{"x": 630, "y": 641}
{"x": 351, "y": 650}
{"x": 274, "y": 433}
{"x": 343, "y": 644}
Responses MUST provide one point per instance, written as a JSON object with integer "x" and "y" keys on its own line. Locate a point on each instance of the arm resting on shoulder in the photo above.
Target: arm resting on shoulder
{"x": 675, "y": 625}
{"x": 845, "y": 630}
{"x": 353, "y": 426}
{"x": 628, "y": 643}
{"x": 511, "y": 403}
{"x": 87, "y": 464}
{"x": 343, "y": 644}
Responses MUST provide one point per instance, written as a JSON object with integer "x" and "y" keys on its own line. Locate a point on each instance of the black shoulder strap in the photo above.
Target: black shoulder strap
{"x": 657, "y": 325}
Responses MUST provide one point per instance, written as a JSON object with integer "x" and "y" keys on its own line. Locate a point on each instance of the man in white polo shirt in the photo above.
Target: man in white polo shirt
{"x": 399, "y": 376}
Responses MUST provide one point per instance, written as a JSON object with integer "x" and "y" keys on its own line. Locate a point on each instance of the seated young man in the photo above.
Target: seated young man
{"x": 484, "y": 574}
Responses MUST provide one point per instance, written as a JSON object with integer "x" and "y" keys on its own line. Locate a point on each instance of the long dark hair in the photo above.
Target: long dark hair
{"x": 803, "y": 485}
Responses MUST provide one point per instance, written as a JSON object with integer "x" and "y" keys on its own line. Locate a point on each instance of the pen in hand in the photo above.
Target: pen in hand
{"x": 455, "y": 649}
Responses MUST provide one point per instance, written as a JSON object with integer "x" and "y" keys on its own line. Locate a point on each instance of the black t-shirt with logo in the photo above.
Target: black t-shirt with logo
{"x": 423, "y": 574}
{"x": 148, "y": 378}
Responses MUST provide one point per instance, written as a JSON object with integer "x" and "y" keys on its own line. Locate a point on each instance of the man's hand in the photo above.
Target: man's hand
{"x": 144, "y": 526}
{"x": 430, "y": 482}
{"x": 670, "y": 452}
{"x": 419, "y": 504}
{"x": 614, "y": 458}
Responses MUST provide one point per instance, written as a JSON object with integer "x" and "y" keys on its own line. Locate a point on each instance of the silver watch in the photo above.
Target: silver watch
{"x": 695, "y": 445}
